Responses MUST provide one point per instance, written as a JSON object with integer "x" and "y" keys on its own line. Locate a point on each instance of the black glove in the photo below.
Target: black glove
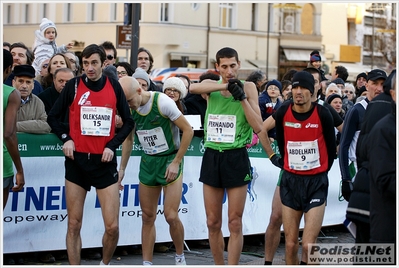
{"x": 346, "y": 189}
{"x": 235, "y": 87}
{"x": 277, "y": 161}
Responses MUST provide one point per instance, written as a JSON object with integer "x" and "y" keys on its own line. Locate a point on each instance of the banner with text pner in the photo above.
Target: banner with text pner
{"x": 35, "y": 219}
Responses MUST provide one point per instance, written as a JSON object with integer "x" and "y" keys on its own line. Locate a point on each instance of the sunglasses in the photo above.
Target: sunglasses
{"x": 45, "y": 66}
{"x": 110, "y": 57}
{"x": 347, "y": 91}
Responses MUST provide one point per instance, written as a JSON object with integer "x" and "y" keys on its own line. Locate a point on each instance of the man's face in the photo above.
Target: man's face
{"x": 19, "y": 56}
{"x": 143, "y": 84}
{"x": 228, "y": 68}
{"x": 317, "y": 84}
{"x": 92, "y": 67}
{"x": 143, "y": 61}
{"x": 109, "y": 58}
{"x": 301, "y": 95}
{"x": 24, "y": 84}
{"x": 61, "y": 79}
{"x": 72, "y": 60}
{"x": 374, "y": 88}
{"x": 334, "y": 74}
{"x": 361, "y": 81}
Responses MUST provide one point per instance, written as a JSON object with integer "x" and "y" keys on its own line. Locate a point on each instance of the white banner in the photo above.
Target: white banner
{"x": 36, "y": 218}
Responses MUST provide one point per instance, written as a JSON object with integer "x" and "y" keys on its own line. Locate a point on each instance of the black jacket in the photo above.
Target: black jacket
{"x": 382, "y": 171}
{"x": 359, "y": 202}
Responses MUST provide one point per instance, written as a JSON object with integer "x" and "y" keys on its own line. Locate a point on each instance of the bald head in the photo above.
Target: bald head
{"x": 132, "y": 91}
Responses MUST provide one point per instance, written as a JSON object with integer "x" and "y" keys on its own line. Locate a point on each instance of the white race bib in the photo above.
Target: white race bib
{"x": 95, "y": 121}
{"x": 303, "y": 155}
{"x": 153, "y": 141}
{"x": 221, "y": 128}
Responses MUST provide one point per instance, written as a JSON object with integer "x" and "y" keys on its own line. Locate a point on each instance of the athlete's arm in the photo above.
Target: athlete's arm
{"x": 268, "y": 124}
{"x": 188, "y": 132}
{"x": 207, "y": 86}
{"x": 127, "y": 147}
{"x": 251, "y": 107}
{"x": 10, "y": 137}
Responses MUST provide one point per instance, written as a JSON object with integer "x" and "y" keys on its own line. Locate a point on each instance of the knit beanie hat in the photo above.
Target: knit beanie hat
{"x": 303, "y": 79}
{"x": 275, "y": 83}
{"x": 315, "y": 56}
{"x": 176, "y": 83}
{"x": 46, "y": 23}
{"x": 140, "y": 73}
{"x": 338, "y": 81}
{"x": 364, "y": 75}
{"x": 332, "y": 97}
{"x": 361, "y": 90}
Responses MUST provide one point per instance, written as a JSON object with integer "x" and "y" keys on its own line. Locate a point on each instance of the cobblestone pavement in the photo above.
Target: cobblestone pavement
{"x": 199, "y": 254}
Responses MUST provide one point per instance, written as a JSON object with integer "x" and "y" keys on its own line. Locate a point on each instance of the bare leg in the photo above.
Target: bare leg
{"x": 109, "y": 201}
{"x": 213, "y": 198}
{"x": 172, "y": 201}
{"x": 75, "y": 198}
{"x": 313, "y": 221}
{"x": 291, "y": 220}
{"x": 149, "y": 197}
{"x": 272, "y": 235}
{"x": 236, "y": 198}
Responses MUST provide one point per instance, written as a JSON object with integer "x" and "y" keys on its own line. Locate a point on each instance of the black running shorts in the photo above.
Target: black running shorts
{"x": 226, "y": 169}
{"x": 301, "y": 192}
{"x": 87, "y": 170}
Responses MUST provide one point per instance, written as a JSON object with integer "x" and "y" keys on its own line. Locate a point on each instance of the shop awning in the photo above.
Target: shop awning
{"x": 299, "y": 54}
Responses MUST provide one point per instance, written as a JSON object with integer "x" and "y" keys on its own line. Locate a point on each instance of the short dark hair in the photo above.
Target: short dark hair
{"x": 342, "y": 72}
{"x": 65, "y": 70}
{"x": 142, "y": 49}
{"x": 256, "y": 76}
{"x": 313, "y": 70}
{"x": 29, "y": 54}
{"x": 226, "y": 52}
{"x": 209, "y": 75}
{"x": 6, "y": 44}
{"x": 185, "y": 77}
{"x": 7, "y": 59}
{"x": 127, "y": 67}
{"x": 289, "y": 75}
{"x": 93, "y": 49}
{"x": 109, "y": 45}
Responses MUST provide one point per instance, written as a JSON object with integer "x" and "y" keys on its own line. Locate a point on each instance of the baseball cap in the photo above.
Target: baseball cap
{"x": 24, "y": 70}
{"x": 376, "y": 74}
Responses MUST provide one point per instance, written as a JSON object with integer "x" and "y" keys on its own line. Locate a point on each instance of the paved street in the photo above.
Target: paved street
{"x": 200, "y": 254}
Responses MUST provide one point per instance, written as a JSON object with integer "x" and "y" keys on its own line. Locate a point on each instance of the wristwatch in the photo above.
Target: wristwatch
{"x": 64, "y": 136}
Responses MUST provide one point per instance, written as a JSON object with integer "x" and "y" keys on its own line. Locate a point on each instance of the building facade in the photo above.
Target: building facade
{"x": 190, "y": 34}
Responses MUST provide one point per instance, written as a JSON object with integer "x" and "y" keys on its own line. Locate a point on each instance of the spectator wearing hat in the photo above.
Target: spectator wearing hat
{"x": 45, "y": 45}
{"x": 315, "y": 62}
{"x": 361, "y": 80}
{"x": 143, "y": 78}
{"x": 21, "y": 55}
{"x": 31, "y": 116}
{"x": 269, "y": 101}
{"x": 339, "y": 82}
{"x": 306, "y": 182}
{"x": 175, "y": 89}
{"x": 362, "y": 94}
{"x": 357, "y": 194}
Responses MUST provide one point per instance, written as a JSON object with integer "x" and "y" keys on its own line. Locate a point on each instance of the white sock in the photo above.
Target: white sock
{"x": 180, "y": 257}
{"x": 145, "y": 263}
{"x": 102, "y": 263}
